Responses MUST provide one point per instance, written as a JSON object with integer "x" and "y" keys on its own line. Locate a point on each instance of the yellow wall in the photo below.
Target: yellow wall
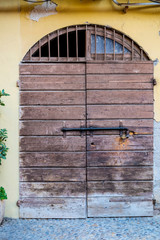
{"x": 10, "y": 55}
{"x": 18, "y": 33}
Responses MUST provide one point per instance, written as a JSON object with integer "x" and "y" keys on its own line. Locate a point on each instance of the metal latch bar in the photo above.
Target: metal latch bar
{"x": 94, "y": 129}
{"x": 123, "y": 131}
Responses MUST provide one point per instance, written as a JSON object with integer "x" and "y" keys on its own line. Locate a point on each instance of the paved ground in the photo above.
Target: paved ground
{"x": 82, "y": 229}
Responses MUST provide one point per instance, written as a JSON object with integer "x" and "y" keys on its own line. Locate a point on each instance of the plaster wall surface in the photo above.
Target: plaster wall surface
{"x": 156, "y": 160}
{"x": 19, "y": 31}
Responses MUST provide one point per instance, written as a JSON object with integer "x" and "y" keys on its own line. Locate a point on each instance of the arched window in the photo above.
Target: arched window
{"x": 77, "y": 43}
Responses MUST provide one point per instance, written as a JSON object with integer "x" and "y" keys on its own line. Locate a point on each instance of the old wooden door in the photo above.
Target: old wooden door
{"x": 52, "y": 164}
{"x": 86, "y": 126}
{"x": 119, "y": 168}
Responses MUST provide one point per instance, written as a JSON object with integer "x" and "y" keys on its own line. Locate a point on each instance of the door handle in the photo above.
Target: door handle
{"x": 123, "y": 131}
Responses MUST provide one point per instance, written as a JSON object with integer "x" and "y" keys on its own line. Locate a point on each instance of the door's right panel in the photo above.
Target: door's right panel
{"x": 119, "y": 171}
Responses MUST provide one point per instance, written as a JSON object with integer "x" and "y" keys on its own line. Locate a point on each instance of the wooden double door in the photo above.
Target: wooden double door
{"x": 69, "y": 173}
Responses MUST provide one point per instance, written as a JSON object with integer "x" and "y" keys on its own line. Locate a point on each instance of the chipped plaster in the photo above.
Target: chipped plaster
{"x": 44, "y": 10}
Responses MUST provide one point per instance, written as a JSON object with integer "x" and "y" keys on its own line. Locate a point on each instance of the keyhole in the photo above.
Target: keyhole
{"x": 92, "y": 143}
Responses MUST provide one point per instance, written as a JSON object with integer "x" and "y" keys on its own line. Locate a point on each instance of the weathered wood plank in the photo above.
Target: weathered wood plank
{"x": 119, "y": 173}
{"x": 52, "y": 174}
{"x": 52, "y": 82}
{"x": 114, "y": 143}
{"x": 110, "y": 189}
{"x": 59, "y": 159}
{"x": 120, "y": 111}
{"x": 52, "y": 68}
{"x": 53, "y": 208}
{"x": 120, "y": 68}
{"x": 139, "y": 126}
{"x": 52, "y": 98}
{"x": 104, "y": 207}
{"x": 121, "y": 96}
{"x": 59, "y": 112}
{"x": 42, "y": 128}
{"x": 51, "y": 144}
{"x": 56, "y": 189}
{"x": 120, "y": 81}
{"x": 104, "y": 159}
{"x": 119, "y": 85}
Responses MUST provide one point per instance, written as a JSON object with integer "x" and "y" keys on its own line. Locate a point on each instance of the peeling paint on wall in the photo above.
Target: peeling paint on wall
{"x": 44, "y": 10}
{"x": 157, "y": 161}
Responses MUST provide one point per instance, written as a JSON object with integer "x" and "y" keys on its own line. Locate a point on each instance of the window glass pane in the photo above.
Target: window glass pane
{"x": 99, "y": 44}
{"x": 126, "y": 50}
{"x": 109, "y": 45}
{"x": 118, "y": 48}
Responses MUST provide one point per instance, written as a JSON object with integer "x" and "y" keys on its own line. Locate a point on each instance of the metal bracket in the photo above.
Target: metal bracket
{"x": 127, "y": 3}
{"x": 154, "y": 81}
{"x": 18, "y": 83}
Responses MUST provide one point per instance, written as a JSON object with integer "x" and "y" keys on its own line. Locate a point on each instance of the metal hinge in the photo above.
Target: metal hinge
{"x": 154, "y": 81}
{"x": 18, "y": 83}
{"x": 19, "y": 203}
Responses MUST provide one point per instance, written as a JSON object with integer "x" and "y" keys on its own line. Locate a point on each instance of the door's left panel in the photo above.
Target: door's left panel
{"x": 52, "y": 164}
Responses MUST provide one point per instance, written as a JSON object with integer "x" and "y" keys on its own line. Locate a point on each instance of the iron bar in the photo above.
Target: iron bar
{"x": 123, "y": 131}
{"x": 94, "y": 129}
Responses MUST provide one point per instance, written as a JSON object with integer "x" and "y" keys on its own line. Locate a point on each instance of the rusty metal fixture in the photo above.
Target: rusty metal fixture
{"x": 154, "y": 201}
{"x": 128, "y": 3}
{"x": 18, "y": 203}
{"x": 154, "y": 81}
{"x": 123, "y": 131}
{"x": 156, "y": 1}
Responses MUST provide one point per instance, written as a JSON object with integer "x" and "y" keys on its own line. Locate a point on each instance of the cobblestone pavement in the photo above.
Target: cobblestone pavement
{"x": 82, "y": 229}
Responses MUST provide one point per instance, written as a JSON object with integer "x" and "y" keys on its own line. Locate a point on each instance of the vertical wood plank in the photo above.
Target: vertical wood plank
{"x": 86, "y": 42}
{"x": 49, "y": 48}
{"x": 141, "y": 55}
{"x": 95, "y": 42}
{"x": 114, "y": 56}
{"x": 39, "y": 46}
{"x": 67, "y": 45}
{"x": 76, "y": 43}
{"x": 30, "y": 54}
{"x": 132, "y": 50}
{"x": 58, "y": 44}
{"x": 123, "y": 46}
{"x": 104, "y": 43}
